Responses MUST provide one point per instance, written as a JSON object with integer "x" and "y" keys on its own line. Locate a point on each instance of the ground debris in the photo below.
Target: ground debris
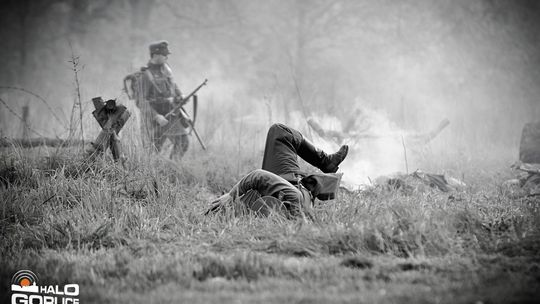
{"x": 409, "y": 266}
{"x": 357, "y": 262}
{"x": 527, "y": 181}
{"x": 528, "y": 166}
{"x": 416, "y": 182}
{"x": 35, "y": 142}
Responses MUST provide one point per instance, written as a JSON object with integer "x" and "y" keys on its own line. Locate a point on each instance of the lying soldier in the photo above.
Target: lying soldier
{"x": 280, "y": 184}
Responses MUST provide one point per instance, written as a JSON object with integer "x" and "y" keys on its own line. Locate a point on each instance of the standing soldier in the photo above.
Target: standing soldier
{"x": 160, "y": 94}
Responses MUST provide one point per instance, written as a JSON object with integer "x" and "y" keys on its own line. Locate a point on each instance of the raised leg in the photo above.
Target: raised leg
{"x": 284, "y": 144}
{"x": 280, "y": 151}
{"x": 328, "y": 163}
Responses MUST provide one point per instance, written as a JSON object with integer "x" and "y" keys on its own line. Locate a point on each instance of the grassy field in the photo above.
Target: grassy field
{"x": 136, "y": 235}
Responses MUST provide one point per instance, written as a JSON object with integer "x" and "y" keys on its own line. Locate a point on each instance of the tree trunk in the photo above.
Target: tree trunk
{"x": 23, "y": 12}
{"x": 140, "y": 16}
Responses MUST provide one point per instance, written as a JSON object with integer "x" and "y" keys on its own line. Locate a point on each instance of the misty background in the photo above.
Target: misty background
{"x": 408, "y": 64}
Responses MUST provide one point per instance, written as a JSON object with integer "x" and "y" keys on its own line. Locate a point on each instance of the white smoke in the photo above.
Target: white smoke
{"x": 375, "y": 145}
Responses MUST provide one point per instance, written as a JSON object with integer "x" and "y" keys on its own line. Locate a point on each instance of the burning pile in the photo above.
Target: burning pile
{"x": 377, "y": 147}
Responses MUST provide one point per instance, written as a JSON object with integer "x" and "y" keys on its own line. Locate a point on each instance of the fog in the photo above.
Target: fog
{"x": 408, "y": 64}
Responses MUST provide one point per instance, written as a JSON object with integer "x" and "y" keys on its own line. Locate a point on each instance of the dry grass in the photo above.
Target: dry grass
{"x": 136, "y": 235}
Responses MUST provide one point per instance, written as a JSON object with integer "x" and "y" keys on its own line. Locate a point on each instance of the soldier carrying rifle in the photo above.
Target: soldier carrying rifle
{"x": 160, "y": 100}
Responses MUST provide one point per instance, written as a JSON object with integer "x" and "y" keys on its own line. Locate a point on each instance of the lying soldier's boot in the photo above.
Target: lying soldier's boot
{"x": 318, "y": 158}
{"x": 332, "y": 161}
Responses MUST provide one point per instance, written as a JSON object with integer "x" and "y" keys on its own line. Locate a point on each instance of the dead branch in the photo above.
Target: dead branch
{"x": 35, "y": 142}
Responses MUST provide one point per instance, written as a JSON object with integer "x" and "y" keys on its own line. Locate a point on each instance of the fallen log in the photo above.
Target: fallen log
{"x": 417, "y": 139}
{"x": 35, "y": 142}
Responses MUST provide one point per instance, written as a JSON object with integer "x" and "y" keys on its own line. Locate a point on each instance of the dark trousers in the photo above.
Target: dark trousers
{"x": 171, "y": 131}
{"x": 155, "y": 135}
{"x": 266, "y": 183}
{"x": 281, "y": 151}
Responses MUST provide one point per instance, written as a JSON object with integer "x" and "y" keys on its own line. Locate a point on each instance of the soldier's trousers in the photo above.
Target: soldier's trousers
{"x": 281, "y": 151}
{"x": 266, "y": 183}
{"x": 155, "y": 135}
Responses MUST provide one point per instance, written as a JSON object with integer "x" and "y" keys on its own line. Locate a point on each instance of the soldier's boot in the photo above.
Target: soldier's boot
{"x": 328, "y": 163}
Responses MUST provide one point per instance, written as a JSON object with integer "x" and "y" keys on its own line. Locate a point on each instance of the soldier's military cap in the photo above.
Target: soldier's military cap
{"x": 160, "y": 47}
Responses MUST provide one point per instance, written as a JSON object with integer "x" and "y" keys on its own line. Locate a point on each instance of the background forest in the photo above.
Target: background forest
{"x": 417, "y": 62}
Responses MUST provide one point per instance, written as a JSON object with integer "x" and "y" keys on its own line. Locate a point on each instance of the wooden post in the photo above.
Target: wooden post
{"x": 25, "y": 121}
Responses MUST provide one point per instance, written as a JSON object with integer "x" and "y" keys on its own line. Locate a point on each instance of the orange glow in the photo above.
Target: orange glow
{"x": 24, "y": 282}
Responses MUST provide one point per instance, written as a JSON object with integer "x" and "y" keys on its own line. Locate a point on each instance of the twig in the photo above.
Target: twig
{"x": 299, "y": 93}
{"x": 35, "y": 142}
{"x": 50, "y": 198}
{"x": 267, "y": 102}
{"x": 75, "y": 63}
{"x": 239, "y": 146}
{"x": 405, "y": 155}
